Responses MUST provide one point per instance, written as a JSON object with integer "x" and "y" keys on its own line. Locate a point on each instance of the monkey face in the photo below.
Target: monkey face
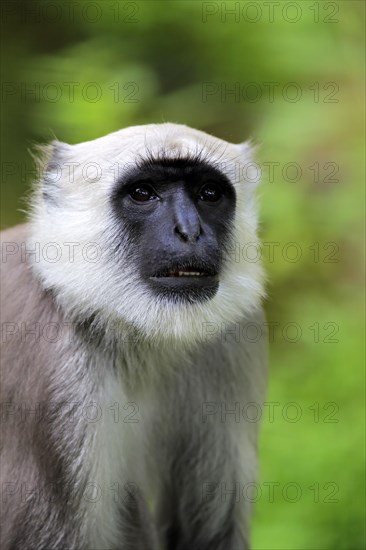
{"x": 169, "y": 213}
{"x": 179, "y": 213}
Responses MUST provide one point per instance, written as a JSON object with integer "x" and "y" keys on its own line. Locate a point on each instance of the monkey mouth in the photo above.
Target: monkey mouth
{"x": 186, "y": 281}
{"x": 185, "y": 273}
{"x": 186, "y": 270}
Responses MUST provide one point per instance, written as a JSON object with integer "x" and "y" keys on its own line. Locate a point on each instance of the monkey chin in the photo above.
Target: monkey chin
{"x": 185, "y": 288}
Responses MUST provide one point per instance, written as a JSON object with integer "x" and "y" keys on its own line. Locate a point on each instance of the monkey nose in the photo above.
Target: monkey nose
{"x": 186, "y": 220}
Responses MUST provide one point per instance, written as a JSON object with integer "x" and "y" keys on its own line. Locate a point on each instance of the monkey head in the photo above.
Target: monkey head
{"x": 147, "y": 228}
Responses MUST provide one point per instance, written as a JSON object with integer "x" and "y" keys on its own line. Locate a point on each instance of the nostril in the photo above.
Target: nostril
{"x": 181, "y": 234}
{"x": 187, "y": 236}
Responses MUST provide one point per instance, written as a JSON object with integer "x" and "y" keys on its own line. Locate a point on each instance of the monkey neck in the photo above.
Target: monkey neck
{"x": 115, "y": 347}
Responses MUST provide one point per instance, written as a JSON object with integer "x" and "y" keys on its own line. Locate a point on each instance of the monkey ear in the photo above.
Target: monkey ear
{"x": 50, "y": 155}
{"x": 50, "y": 159}
{"x": 247, "y": 150}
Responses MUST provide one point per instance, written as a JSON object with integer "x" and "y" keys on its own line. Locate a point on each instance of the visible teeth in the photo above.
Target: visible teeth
{"x": 186, "y": 274}
{"x": 189, "y": 273}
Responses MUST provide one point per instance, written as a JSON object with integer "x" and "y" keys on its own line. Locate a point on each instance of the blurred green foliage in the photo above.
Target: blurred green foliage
{"x": 195, "y": 63}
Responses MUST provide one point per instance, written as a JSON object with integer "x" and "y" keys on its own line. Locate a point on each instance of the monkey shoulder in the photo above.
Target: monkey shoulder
{"x": 22, "y": 297}
{"x": 29, "y": 316}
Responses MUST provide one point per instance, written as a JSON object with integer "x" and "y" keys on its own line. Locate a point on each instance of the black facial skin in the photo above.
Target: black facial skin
{"x": 179, "y": 214}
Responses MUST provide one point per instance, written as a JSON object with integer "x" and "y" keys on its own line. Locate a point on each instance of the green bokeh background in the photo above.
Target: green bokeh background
{"x": 153, "y": 61}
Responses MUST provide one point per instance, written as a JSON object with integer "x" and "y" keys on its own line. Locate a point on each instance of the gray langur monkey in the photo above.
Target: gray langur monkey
{"x": 132, "y": 342}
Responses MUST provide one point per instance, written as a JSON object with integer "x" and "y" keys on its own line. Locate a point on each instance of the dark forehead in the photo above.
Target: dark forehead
{"x": 174, "y": 169}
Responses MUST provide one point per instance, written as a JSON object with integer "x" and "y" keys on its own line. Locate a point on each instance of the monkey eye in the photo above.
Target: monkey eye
{"x": 142, "y": 193}
{"x": 210, "y": 192}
